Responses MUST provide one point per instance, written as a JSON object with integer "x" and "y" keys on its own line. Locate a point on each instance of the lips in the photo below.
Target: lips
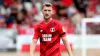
{"x": 46, "y": 15}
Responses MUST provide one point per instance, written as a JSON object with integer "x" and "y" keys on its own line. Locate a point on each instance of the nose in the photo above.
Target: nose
{"x": 46, "y": 12}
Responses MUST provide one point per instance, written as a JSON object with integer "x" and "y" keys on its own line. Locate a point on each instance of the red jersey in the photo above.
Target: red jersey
{"x": 49, "y": 35}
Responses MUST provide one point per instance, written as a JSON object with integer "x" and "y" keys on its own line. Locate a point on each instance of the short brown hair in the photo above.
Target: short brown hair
{"x": 47, "y": 5}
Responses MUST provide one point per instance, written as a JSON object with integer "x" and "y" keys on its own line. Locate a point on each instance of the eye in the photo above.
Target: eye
{"x": 45, "y": 10}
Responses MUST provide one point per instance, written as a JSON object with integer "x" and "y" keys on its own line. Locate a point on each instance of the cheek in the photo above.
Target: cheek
{"x": 43, "y": 13}
{"x": 51, "y": 13}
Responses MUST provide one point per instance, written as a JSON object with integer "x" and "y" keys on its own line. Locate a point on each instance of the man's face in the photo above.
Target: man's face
{"x": 47, "y": 12}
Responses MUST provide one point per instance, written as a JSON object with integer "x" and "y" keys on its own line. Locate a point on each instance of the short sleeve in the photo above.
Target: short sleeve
{"x": 36, "y": 33}
{"x": 61, "y": 30}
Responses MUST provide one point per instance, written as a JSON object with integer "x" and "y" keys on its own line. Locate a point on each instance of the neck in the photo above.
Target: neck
{"x": 47, "y": 20}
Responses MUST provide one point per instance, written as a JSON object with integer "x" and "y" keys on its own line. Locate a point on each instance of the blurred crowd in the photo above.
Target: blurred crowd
{"x": 25, "y": 14}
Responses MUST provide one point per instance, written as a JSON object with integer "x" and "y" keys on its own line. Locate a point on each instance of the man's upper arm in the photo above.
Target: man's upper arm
{"x": 34, "y": 41}
{"x": 64, "y": 38}
{"x": 61, "y": 30}
{"x": 36, "y": 33}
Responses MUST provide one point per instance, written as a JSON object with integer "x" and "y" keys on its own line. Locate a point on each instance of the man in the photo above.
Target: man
{"x": 49, "y": 31}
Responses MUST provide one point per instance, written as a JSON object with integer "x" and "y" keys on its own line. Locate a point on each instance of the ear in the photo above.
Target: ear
{"x": 53, "y": 12}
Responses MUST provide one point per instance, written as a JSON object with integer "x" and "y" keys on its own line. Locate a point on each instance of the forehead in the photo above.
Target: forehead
{"x": 47, "y": 8}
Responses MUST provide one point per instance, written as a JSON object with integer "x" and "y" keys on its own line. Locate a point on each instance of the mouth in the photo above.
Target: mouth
{"x": 46, "y": 15}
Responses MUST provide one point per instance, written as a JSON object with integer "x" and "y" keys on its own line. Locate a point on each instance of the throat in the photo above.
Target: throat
{"x": 47, "y": 20}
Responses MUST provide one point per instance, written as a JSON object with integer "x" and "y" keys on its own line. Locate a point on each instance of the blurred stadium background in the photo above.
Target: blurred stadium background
{"x": 19, "y": 17}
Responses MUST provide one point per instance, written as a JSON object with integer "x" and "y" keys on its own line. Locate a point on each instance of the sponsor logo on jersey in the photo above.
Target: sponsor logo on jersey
{"x": 46, "y": 37}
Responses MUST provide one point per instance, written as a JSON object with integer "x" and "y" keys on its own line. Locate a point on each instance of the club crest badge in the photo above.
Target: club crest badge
{"x": 52, "y": 29}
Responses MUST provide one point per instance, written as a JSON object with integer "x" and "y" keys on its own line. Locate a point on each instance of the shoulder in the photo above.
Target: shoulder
{"x": 39, "y": 24}
{"x": 56, "y": 21}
